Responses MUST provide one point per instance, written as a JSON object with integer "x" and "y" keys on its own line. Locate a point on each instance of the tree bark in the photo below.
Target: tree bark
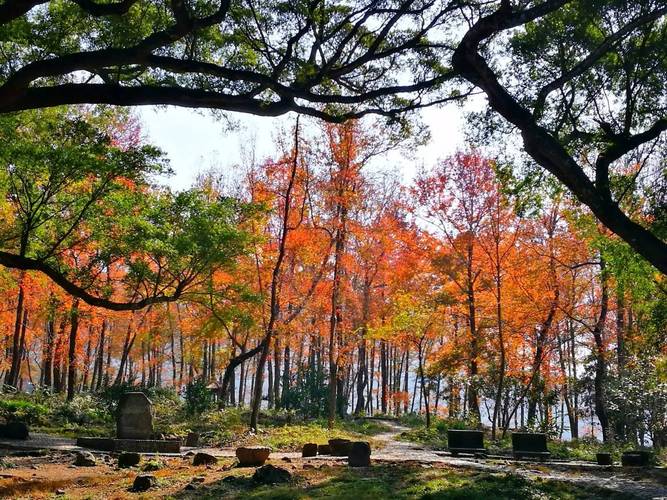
{"x": 275, "y": 279}
{"x": 600, "y": 356}
{"x": 71, "y": 358}
{"x": 542, "y": 146}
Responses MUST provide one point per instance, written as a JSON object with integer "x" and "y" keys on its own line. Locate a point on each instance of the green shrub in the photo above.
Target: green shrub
{"x": 412, "y": 420}
{"x": 198, "y": 398}
{"x": 20, "y": 410}
{"x": 84, "y": 409}
{"x": 111, "y": 395}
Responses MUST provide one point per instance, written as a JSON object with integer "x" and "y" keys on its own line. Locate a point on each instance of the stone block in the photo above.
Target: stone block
{"x": 251, "y": 456}
{"x": 135, "y": 416}
{"x": 359, "y": 454}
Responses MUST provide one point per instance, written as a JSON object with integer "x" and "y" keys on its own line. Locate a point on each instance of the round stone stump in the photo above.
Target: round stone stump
{"x": 252, "y": 456}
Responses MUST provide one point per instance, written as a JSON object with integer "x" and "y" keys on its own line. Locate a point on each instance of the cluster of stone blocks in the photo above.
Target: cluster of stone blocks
{"x": 530, "y": 445}
{"x": 358, "y": 453}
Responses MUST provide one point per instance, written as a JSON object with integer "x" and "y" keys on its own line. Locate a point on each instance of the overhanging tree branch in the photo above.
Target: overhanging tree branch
{"x": 28, "y": 264}
{"x": 539, "y": 143}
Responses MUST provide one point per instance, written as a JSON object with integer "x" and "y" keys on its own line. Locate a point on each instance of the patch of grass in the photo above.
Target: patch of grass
{"x": 403, "y": 482}
{"x": 435, "y": 436}
{"x": 152, "y": 465}
{"x": 293, "y": 437}
{"x": 365, "y": 427}
{"x": 412, "y": 420}
{"x": 432, "y": 437}
{"x": 279, "y": 430}
{"x": 71, "y": 430}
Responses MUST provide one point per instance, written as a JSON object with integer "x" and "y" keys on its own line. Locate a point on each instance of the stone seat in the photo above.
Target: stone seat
{"x": 530, "y": 445}
{"x": 637, "y": 458}
{"x": 465, "y": 441}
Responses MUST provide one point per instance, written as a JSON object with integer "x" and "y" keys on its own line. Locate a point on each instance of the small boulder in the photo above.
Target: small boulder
{"x": 339, "y": 447}
{"x": 204, "y": 459}
{"x": 192, "y": 440}
{"x": 360, "y": 454}
{"x": 128, "y": 459}
{"x": 252, "y": 456}
{"x": 309, "y": 450}
{"x": 323, "y": 449}
{"x": 14, "y": 430}
{"x": 144, "y": 482}
{"x": 85, "y": 459}
{"x": 270, "y": 474}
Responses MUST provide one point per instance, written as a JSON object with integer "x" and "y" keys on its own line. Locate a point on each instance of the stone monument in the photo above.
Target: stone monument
{"x": 134, "y": 429}
{"x": 135, "y": 416}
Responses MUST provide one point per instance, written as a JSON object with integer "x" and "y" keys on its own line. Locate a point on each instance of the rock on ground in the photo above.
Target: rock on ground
{"x": 129, "y": 459}
{"x": 144, "y": 482}
{"x": 270, "y": 474}
{"x": 85, "y": 459}
{"x": 202, "y": 458}
{"x": 192, "y": 440}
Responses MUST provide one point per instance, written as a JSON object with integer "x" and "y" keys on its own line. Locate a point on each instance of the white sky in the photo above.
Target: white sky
{"x": 195, "y": 141}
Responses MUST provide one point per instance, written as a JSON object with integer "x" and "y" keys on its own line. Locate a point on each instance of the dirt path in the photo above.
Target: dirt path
{"x": 640, "y": 483}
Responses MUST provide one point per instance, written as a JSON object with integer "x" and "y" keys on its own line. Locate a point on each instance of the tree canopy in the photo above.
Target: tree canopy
{"x": 582, "y": 82}
{"x": 78, "y": 183}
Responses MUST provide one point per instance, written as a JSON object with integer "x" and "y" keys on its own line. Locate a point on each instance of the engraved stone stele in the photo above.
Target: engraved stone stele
{"x": 135, "y": 416}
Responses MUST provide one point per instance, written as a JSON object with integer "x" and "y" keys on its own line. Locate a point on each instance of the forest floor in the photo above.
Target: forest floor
{"x": 400, "y": 470}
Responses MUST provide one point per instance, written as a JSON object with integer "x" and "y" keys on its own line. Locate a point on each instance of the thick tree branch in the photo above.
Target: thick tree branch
{"x": 27, "y": 264}
{"x": 13, "y": 9}
{"x": 538, "y": 142}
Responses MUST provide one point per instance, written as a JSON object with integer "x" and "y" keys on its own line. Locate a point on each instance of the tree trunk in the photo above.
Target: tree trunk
{"x": 406, "y": 375}
{"x": 600, "y": 357}
{"x": 276, "y": 373}
{"x": 16, "y": 352}
{"x": 275, "y": 279}
{"x": 58, "y": 357}
{"x": 86, "y": 363}
{"x": 384, "y": 374}
{"x": 49, "y": 340}
{"x": 71, "y": 357}
{"x": 99, "y": 358}
{"x": 472, "y": 397}
{"x": 501, "y": 341}
{"x": 335, "y": 319}
{"x": 286, "y": 375}
{"x": 425, "y": 390}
